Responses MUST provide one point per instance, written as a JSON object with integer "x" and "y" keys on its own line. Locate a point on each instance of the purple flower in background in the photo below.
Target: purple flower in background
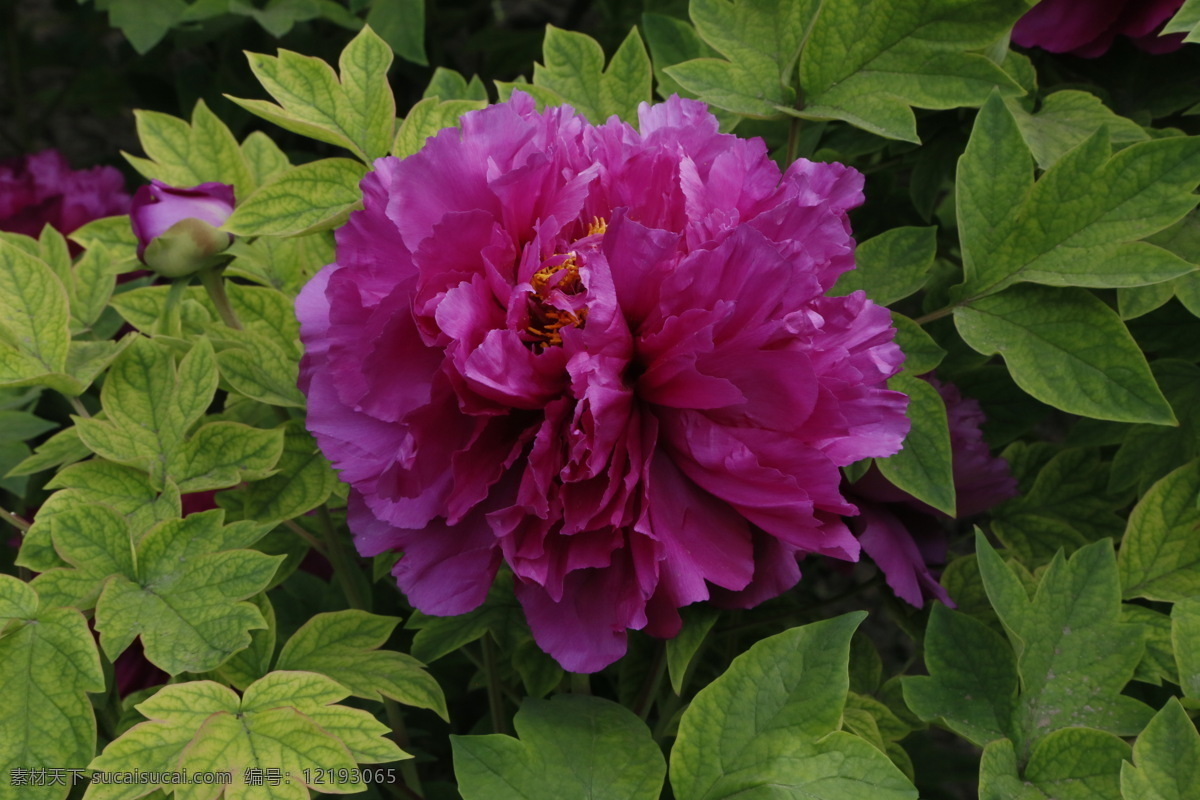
{"x": 176, "y": 227}
{"x": 602, "y": 356}
{"x": 1088, "y": 27}
{"x": 41, "y": 189}
{"x": 901, "y": 534}
{"x": 134, "y": 672}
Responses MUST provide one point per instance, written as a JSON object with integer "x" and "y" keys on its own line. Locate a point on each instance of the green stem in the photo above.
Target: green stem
{"x": 933, "y": 315}
{"x": 14, "y": 520}
{"x": 78, "y": 407}
{"x": 654, "y": 677}
{"x": 793, "y": 139}
{"x": 344, "y": 567}
{"x": 311, "y": 540}
{"x": 666, "y": 713}
{"x": 793, "y": 135}
{"x": 495, "y": 692}
{"x": 580, "y": 683}
{"x": 408, "y": 768}
{"x": 215, "y": 286}
{"x": 169, "y": 323}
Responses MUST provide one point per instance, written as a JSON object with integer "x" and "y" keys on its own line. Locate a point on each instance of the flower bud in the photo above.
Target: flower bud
{"x": 177, "y": 228}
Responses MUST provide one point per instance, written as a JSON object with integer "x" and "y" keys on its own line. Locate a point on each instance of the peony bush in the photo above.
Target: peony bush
{"x": 789, "y": 399}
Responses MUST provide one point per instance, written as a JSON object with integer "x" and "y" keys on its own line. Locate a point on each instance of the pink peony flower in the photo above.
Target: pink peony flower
{"x": 603, "y": 357}
{"x": 42, "y": 189}
{"x": 901, "y": 534}
{"x": 1088, "y": 27}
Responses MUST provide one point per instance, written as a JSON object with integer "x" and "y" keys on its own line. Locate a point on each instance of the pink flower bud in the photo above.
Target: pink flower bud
{"x": 177, "y": 228}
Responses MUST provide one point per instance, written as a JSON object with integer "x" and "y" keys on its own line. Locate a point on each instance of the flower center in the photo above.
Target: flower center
{"x": 561, "y": 274}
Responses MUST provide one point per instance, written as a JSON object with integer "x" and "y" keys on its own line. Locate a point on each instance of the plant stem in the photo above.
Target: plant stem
{"x": 792, "y": 140}
{"x": 653, "y": 680}
{"x": 311, "y": 540}
{"x": 495, "y": 692}
{"x": 215, "y": 286}
{"x": 169, "y": 323}
{"x": 14, "y": 520}
{"x": 77, "y": 405}
{"x": 931, "y": 316}
{"x": 580, "y": 682}
{"x": 408, "y": 768}
{"x": 343, "y": 565}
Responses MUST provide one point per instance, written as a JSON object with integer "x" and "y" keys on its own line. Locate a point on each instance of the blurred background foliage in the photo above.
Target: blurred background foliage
{"x": 73, "y": 70}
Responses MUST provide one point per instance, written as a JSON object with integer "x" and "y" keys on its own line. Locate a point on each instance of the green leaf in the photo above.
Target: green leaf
{"x": 401, "y": 23}
{"x": 447, "y": 84}
{"x": 303, "y": 480}
{"x": 357, "y": 112}
{"x": 921, "y": 353}
{"x": 1066, "y": 348}
{"x": 1185, "y": 640}
{"x": 923, "y": 467}
{"x": 286, "y": 721}
{"x": 761, "y": 42}
{"x": 1160, "y": 554}
{"x": 312, "y": 197}
{"x": 868, "y": 62}
{"x": 180, "y": 154}
{"x": 92, "y": 280}
{"x": 112, "y": 233}
{"x": 18, "y": 426}
{"x": 344, "y": 645}
{"x": 34, "y": 319}
{"x": 440, "y": 636}
{"x": 150, "y": 406}
{"x": 698, "y": 620}
{"x": 1078, "y": 764}
{"x": 1080, "y": 224}
{"x": 769, "y": 726}
{"x": 224, "y": 454}
{"x": 574, "y": 70}
{"x": 1066, "y": 507}
{"x": 1166, "y": 758}
{"x": 1186, "y": 20}
{"x": 95, "y": 540}
{"x": 183, "y": 599}
{"x": 363, "y": 67}
{"x": 999, "y": 778}
{"x": 257, "y": 367}
{"x": 246, "y": 666}
{"x": 124, "y": 489}
{"x": 570, "y": 746}
{"x": 285, "y": 264}
{"x": 972, "y": 683}
{"x": 263, "y": 157}
{"x": 426, "y": 118}
{"x": 48, "y": 663}
{"x": 891, "y": 728}
{"x": 1137, "y": 301}
{"x": 892, "y": 265}
{"x": 1148, "y": 452}
{"x": 1073, "y": 654}
{"x": 1158, "y": 662}
{"x": 276, "y": 18}
{"x": 145, "y": 24}
{"x": 672, "y": 41}
{"x": 1065, "y": 120}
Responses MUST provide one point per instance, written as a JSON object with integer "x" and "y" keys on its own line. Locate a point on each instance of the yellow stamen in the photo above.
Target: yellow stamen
{"x": 568, "y": 283}
{"x": 599, "y": 225}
